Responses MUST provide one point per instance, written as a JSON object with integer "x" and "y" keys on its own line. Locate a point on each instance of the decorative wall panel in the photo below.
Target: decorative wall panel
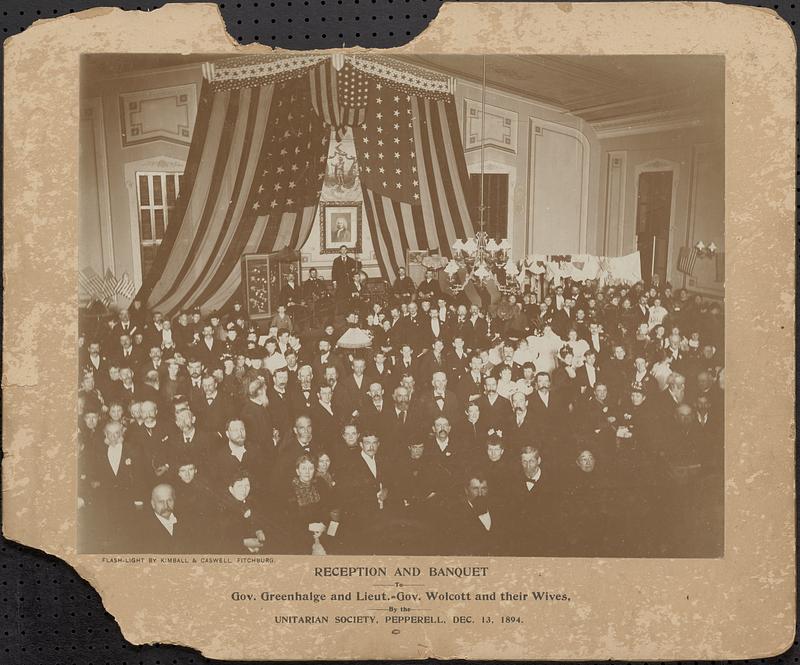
{"x": 161, "y": 114}
{"x": 500, "y": 127}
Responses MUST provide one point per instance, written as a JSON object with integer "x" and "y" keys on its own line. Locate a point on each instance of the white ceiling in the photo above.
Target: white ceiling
{"x": 601, "y": 89}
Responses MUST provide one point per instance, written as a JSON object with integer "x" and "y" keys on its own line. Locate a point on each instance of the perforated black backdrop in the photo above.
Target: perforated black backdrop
{"x": 49, "y": 614}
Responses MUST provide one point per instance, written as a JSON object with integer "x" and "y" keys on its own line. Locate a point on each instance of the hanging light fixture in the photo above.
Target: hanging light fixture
{"x": 481, "y": 257}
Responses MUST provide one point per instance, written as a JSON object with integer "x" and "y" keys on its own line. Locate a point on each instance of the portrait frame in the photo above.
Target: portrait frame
{"x": 334, "y": 214}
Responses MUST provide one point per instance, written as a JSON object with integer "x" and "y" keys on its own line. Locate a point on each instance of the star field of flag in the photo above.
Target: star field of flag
{"x": 388, "y": 162}
{"x": 292, "y": 165}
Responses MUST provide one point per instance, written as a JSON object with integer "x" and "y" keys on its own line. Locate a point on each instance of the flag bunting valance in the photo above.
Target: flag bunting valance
{"x": 259, "y": 70}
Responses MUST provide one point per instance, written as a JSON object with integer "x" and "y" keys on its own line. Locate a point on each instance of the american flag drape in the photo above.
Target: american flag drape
{"x": 413, "y": 173}
{"x": 256, "y": 165}
{"x": 339, "y": 97}
{"x": 254, "y": 179}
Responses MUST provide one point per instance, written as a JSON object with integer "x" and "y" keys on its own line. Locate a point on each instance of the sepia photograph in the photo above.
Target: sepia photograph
{"x": 520, "y": 353}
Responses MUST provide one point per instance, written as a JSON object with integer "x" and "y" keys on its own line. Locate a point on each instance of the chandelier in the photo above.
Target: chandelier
{"x": 482, "y": 258}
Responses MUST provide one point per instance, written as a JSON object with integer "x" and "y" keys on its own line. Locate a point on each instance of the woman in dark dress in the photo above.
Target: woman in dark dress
{"x": 308, "y": 514}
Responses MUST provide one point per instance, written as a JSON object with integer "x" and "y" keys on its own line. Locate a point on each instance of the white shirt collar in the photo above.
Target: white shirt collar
{"x": 371, "y": 463}
{"x": 444, "y": 446}
{"x": 237, "y": 451}
{"x": 169, "y": 523}
{"x": 535, "y": 478}
{"x": 114, "y": 457}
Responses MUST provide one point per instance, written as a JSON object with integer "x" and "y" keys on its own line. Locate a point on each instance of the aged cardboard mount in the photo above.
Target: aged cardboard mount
{"x": 739, "y": 606}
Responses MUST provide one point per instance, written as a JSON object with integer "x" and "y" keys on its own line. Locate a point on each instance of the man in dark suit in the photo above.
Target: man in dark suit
{"x": 429, "y": 288}
{"x": 151, "y": 439}
{"x": 457, "y": 358}
{"x": 473, "y": 526}
{"x": 439, "y": 402}
{"x": 448, "y": 453}
{"x": 189, "y": 441}
{"x": 521, "y": 430}
{"x": 470, "y": 387}
{"x": 407, "y": 363}
{"x": 403, "y": 287}
{"x": 95, "y": 363}
{"x": 470, "y": 430}
{"x": 326, "y": 419}
{"x": 549, "y": 413}
{"x": 342, "y": 272}
{"x": 380, "y": 369}
{"x": 672, "y": 397}
{"x": 236, "y": 454}
{"x": 117, "y": 478}
{"x": 126, "y": 355}
{"x": 531, "y": 511}
{"x": 280, "y": 408}
{"x": 212, "y": 409}
{"x": 589, "y": 374}
{"x": 420, "y": 494}
{"x": 480, "y": 329}
{"x": 299, "y": 442}
{"x": 376, "y": 413}
{"x": 495, "y": 410}
{"x": 461, "y": 327}
{"x": 257, "y": 419}
{"x": 354, "y": 385}
{"x": 301, "y": 393}
{"x": 365, "y": 499}
{"x": 403, "y": 422}
{"x": 159, "y": 530}
{"x": 434, "y": 360}
{"x": 208, "y": 348}
{"x": 433, "y": 329}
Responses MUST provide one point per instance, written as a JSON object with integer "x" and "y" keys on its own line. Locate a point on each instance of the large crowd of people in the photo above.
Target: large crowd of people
{"x": 583, "y": 421}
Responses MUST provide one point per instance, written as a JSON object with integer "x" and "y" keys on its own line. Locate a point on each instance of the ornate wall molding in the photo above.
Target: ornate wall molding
{"x": 501, "y": 127}
{"x": 160, "y": 114}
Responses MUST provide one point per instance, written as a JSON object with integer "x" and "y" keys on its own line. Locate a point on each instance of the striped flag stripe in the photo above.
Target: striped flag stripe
{"x": 199, "y": 250}
{"x": 398, "y": 208}
{"x": 386, "y": 232}
{"x": 222, "y": 229}
{"x": 263, "y": 239}
{"x": 193, "y": 164}
{"x": 377, "y": 238}
{"x": 458, "y": 180}
{"x": 323, "y": 93}
{"x": 376, "y": 205}
{"x": 200, "y": 195}
{"x": 428, "y": 213}
{"x": 233, "y": 238}
{"x": 393, "y": 223}
{"x": 409, "y": 229}
{"x": 455, "y": 157}
{"x": 229, "y": 288}
{"x": 441, "y": 172}
{"x": 429, "y": 185}
{"x": 420, "y": 232}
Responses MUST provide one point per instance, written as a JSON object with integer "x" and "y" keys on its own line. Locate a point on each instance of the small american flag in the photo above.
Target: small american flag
{"x": 126, "y": 287}
{"x": 687, "y": 257}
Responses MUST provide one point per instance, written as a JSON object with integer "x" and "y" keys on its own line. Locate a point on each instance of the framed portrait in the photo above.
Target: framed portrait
{"x": 340, "y": 224}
